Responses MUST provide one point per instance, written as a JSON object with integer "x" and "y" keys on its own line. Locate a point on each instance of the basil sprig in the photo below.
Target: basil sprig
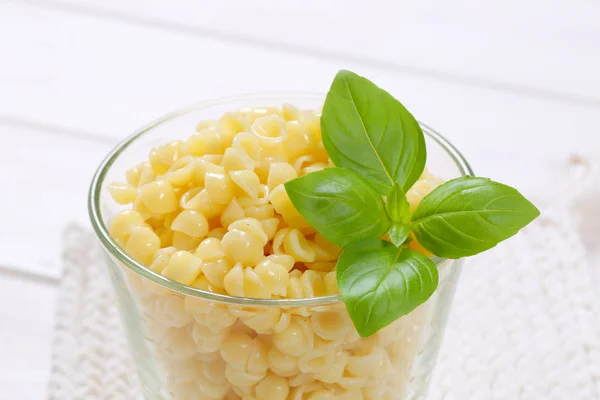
{"x": 379, "y": 150}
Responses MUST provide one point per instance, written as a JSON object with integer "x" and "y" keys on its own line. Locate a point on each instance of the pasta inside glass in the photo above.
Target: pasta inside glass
{"x": 207, "y": 314}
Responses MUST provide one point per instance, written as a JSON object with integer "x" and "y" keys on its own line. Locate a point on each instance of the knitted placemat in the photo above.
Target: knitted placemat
{"x": 90, "y": 357}
{"x": 524, "y": 323}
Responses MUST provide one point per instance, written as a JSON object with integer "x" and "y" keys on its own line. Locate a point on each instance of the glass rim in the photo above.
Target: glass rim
{"x": 102, "y": 231}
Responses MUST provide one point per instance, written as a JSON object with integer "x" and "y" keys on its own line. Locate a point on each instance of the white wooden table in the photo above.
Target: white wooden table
{"x": 514, "y": 80}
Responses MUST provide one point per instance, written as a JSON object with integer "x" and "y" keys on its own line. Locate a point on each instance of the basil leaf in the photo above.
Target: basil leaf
{"x": 379, "y": 282}
{"x": 468, "y": 215}
{"x": 398, "y": 233}
{"x": 397, "y": 205}
{"x": 367, "y": 130}
{"x": 339, "y": 204}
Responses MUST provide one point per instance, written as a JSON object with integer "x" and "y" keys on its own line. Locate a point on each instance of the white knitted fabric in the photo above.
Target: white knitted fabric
{"x": 524, "y": 324}
{"x": 90, "y": 357}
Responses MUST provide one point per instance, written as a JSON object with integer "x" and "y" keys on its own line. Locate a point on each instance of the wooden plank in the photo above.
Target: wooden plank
{"x": 109, "y": 77}
{"x": 536, "y": 47}
{"x": 44, "y": 179}
{"x": 26, "y": 318}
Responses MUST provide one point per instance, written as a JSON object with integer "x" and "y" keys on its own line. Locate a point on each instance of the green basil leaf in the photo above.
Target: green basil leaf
{"x": 339, "y": 204}
{"x": 398, "y": 233}
{"x": 397, "y": 205}
{"x": 379, "y": 282}
{"x": 367, "y": 130}
{"x": 468, "y": 215}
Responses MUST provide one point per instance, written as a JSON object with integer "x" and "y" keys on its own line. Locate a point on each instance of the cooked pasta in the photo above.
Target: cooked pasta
{"x": 202, "y": 166}
{"x": 123, "y": 193}
{"x": 133, "y": 175}
{"x": 374, "y": 364}
{"x": 424, "y": 185}
{"x": 236, "y": 160}
{"x": 298, "y": 141}
{"x": 176, "y": 344}
{"x": 161, "y": 158}
{"x": 183, "y": 241}
{"x": 334, "y": 373}
{"x": 272, "y": 387}
{"x": 261, "y": 199}
{"x": 233, "y": 212}
{"x": 124, "y": 222}
{"x": 330, "y": 283}
{"x": 206, "y": 141}
{"x": 245, "y": 353}
{"x": 190, "y": 222}
{"x": 274, "y": 277}
{"x": 215, "y": 271}
{"x": 332, "y": 324}
{"x": 212, "y": 381}
{"x": 260, "y": 211}
{"x": 270, "y": 130}
{"x": 183, "y": 267}
{"x": 181, "y": 172}
{"x": 142, "y": 244}
{"x": 280, "y": 173}
{"x": 169, "y": 311}
{"x": 147, "y": 174}
{"x": 212, "y": 212}
{"x": 249, "y": 144}
{"x": 290, "y": 112}
{"x": 203, "y": 284}
{"x": 292, "y": 242}
{"x": 245, "y": 282}
{"x": 314, "y": 167}
{"x": 245, "y": 240}
{"x": 210, "y": 249}
{"x": 206, "y": 340}
{"x": 218, "y": 233}
{"x": 308, "y": 284}
{"x": 229, "y": 125}
{"x": 247, "y": 181}
{"x": 201, "y": 202}
{"x": 158, "y": 197}
{"x": 219, "y": 187}
{"x": 260, "y": 320}
{"x": 283, "y": 364}
{"x": 297, "y": 339}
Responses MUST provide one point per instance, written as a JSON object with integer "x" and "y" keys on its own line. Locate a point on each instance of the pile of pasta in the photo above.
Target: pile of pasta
{"x": 211, "y": 212}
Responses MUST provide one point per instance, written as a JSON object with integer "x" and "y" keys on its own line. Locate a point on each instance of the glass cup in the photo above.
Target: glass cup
{"x": 191, "y": 344}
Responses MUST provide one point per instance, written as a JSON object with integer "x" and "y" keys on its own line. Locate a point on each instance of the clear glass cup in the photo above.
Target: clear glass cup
{"x": 192, "y": 344}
